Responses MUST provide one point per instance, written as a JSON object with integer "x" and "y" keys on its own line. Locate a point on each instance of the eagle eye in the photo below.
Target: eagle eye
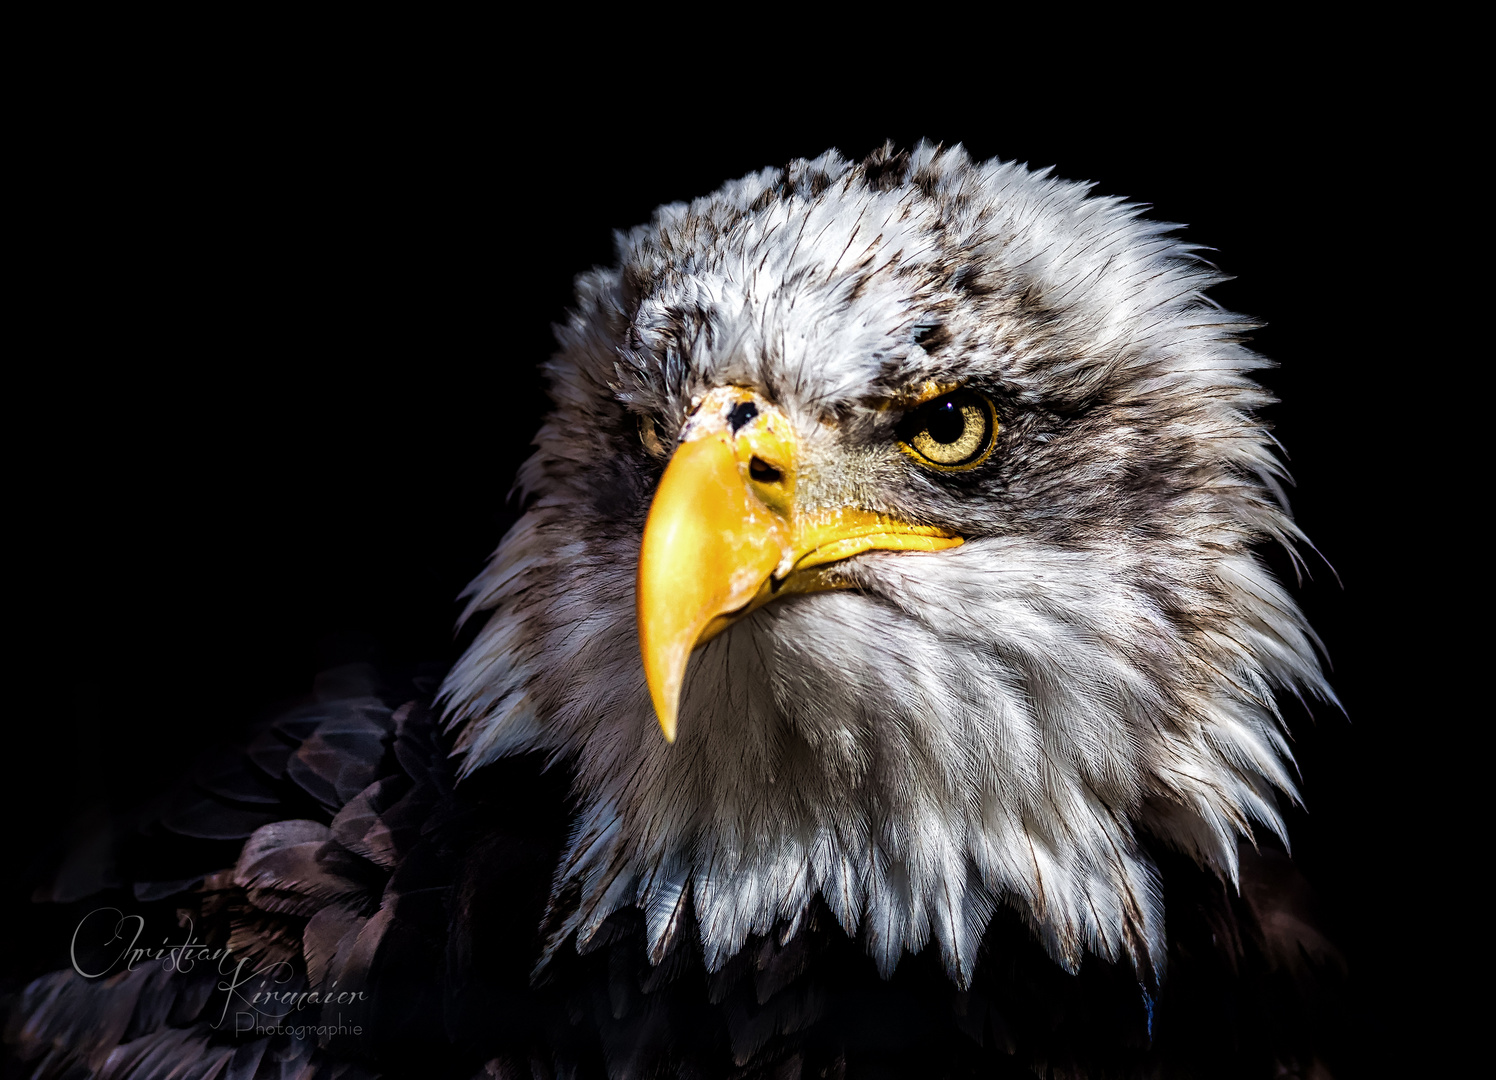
{"x": 954, "y": 431}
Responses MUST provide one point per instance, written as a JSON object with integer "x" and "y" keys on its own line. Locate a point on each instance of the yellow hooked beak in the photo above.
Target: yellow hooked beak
{"x": 724, "y": 536}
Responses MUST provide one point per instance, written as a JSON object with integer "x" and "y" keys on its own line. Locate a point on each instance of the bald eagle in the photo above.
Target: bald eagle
{"x": 882, "y": 679}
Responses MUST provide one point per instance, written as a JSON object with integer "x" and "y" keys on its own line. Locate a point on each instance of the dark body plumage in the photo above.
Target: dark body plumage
{"x": 1023, "y": 746}
{"x": 430, "y": 896}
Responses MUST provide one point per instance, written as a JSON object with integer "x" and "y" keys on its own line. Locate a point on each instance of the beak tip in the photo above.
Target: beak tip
{"x": 664, "y": 682}
{"x": 667, "y": 719}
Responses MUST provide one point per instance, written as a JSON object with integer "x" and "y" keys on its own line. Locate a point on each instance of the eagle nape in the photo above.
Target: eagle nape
{"x": 881, "y": 680}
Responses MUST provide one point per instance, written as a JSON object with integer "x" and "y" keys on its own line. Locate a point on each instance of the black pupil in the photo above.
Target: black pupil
{"x": 946, "y": 422}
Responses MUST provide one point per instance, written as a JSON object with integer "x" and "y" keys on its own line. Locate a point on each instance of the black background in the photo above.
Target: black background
{"x": 279, "y": 327}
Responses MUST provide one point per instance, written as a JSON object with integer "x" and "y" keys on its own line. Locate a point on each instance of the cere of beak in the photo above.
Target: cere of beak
{"x": 724, "y": 536}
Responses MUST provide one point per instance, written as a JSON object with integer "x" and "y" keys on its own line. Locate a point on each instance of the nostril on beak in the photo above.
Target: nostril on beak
{"x": 763, "y": 472}
{"x": 741, "y": 413}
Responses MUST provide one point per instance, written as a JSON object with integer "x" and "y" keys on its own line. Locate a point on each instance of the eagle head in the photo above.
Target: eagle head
{"x": 891, "y": 540}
